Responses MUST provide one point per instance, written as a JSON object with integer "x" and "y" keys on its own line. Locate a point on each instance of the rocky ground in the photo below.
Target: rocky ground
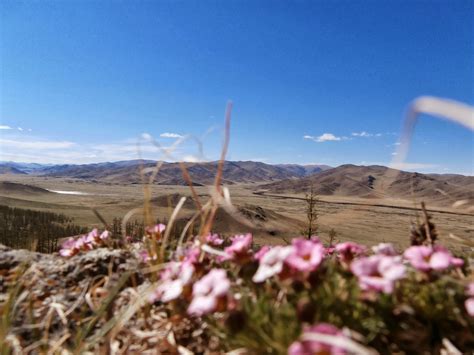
{"x": 94, "y": 301}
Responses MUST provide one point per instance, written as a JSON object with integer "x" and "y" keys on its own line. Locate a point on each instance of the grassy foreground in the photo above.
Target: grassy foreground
{"x": 207, "y": 294}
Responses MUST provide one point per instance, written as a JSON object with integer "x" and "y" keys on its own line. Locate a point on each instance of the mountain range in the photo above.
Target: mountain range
{"x": 347, "y": 180}
{"x": 128, "y": 172}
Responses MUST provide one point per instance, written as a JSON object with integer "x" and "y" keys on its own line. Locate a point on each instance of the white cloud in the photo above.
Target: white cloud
{"x": 192, "y": 159}
{"x": 40, "y": 150}
{"x": 25, "y": 144}
{"x": 361, "y": 134}
{"x": 170, "y": 135}
{"x": 20, "y": 129}
{"x": 147, "y": 136}
{"x": 5, "y": 127}
{"x": 325, "y": 137}
{"x": 366, "y": 134}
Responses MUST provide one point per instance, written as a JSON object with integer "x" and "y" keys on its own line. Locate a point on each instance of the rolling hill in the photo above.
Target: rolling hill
{"x": 380, "y": 182}
{"x": 7, "y": 188}
{"x": 11, "y": 170}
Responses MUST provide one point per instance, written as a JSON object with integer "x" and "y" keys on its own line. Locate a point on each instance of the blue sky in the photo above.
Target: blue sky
{"x": 85, "y": 79}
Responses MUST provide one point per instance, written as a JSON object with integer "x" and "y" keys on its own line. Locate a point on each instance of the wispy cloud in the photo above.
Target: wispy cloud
{"x": 365, "y": 134}
{"x": 26, "y": 148}
{"x": 24, "y": 144}
{"x": 192, "y": 159}
{"x": 170, "y": 135}
{"x": 21, "y": 129}
{"x": 325, "y": 137}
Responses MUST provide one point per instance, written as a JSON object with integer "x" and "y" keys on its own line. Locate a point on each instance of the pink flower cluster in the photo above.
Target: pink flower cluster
{"x": 177, "y": 276}
{"x": 155, "y": 230}
{"x": 93, "y": 240}
{"x": 174, "y": 279}
{"x": 384, "y": 249}
{"x": 302, "y": 256}
{"x": 312, "y": 342}
{"x": 180, "y": 279}
{"x": 347, "y": 251}
{"x": 378, "y": 272}
{"x": 428, "y": 258}
{"x": 210, "y": 293}
{"x": 239, "y": 249}
{"x": 214, "y": 239}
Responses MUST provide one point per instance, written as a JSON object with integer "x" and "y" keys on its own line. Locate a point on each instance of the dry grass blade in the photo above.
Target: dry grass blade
{"x": 226, "y": 203}
{"x": 464, "y": 240}
{"x": 427, "y": 224}
{"x": 205, "y": 230}
{"x": 188, "y": 180}
{"x": 452, "y": 111}
{"x": 127, "y": 217}
{"x": 449, "y": 348}
{"x": 449, "y": 110}
{"x": 225, "y": 146}
{"x": 102, "y": 219}
{"x": 57, "y": 344}
{"x": 169, "y": 226}
{"x": 191, "y": 221}
{"x": 84, "y": 332}
{"x": 8, "y": 310}
{"x": 340, "y": 342}
{"x": 117, "y": 323}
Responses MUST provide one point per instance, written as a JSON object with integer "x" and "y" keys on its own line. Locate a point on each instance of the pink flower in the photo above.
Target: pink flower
{"x": 261, "y": 252}
{"x": 68, "y": 248}
{"x": 272, "y": 263}
{"x": 145, "y": 256}
{"x": 72, "y": 246}
{"x": 157, "y": 229}
{"x": 469, "y": 303}
{"x": 384, "y": 249}
{"x": 105, "y": 235}
{"x": 426, "y": 258}
{"x": 89, "y": 241}
{"x": 348, "y": 251}
{"x": 378, "y": 272}
{"x": 188, "y": 254}
{"x": 208, "y": 292}
{"x": 329, "y": 250}
{"x": 173, "y": 280}
{"x": 307, "y": 255}
{"x": 307, "y": 346}
{"x": 214, "y": 239}
{"x": 239, "y": 247}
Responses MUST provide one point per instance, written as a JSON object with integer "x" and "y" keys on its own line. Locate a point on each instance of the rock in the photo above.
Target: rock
{"x": 71, "y": 288}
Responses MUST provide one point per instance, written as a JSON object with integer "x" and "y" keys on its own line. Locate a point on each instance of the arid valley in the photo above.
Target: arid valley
{"x": 352, "y": 200}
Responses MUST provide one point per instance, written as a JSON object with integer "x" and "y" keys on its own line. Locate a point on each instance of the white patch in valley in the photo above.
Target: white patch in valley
{"x": 70, "y": 192}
